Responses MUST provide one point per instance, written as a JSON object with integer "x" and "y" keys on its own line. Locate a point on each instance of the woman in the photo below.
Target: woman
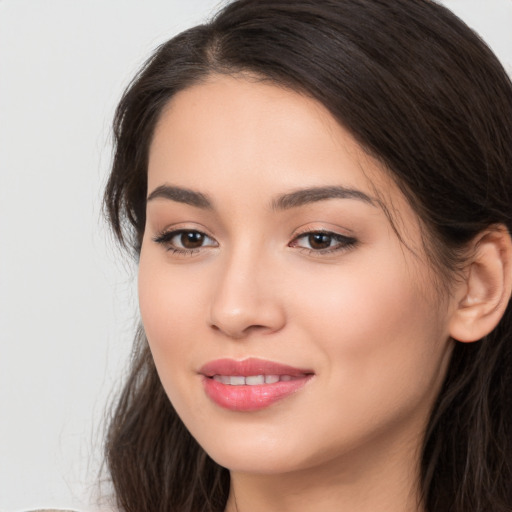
{"x": 319, "y": 197}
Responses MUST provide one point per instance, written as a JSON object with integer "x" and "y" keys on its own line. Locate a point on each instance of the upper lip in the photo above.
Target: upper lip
{"x": 249, "y": 367}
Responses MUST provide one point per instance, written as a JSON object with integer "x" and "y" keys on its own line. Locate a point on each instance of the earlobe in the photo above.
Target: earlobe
{"x": 487, "y": 286}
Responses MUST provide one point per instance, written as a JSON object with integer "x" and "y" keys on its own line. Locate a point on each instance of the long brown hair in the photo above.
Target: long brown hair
{"x": 422, "y": 93}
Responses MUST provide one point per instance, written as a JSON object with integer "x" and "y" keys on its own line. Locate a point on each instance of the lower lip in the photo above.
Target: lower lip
{"x": 251, "y": 398}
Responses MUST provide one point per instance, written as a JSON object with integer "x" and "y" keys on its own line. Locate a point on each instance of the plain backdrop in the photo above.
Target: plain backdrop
{"x": 68, "y": 302}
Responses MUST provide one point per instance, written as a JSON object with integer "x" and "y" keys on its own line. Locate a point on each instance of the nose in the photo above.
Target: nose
{"x": 246, "y": 298}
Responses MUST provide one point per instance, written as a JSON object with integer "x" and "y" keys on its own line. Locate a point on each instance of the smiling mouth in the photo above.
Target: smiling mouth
{"x": 251, "y": 384}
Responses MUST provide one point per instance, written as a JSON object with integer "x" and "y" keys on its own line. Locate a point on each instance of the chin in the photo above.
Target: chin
{"x": 264, "y": 454}
{"x": 255, "y": 462}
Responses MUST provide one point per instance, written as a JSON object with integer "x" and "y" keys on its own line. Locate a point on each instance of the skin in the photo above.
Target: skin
{"x": 365, "y": 317}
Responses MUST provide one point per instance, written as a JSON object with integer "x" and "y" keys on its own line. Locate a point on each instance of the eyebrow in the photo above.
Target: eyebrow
{"x": 181, "y": 195}
{"x": 312, "y": 195}
{"x": 284, "y": 202}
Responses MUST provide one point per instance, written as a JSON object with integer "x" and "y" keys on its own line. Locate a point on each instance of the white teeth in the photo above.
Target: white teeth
{"x": 255, "y": 380}
{"x": 252, "y": 380}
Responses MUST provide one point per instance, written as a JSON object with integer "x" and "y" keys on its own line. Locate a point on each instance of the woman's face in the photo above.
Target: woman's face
{"x": 290, "y": 326}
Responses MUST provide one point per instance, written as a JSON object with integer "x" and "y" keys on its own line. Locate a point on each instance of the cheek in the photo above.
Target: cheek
{"x": 169, "y": 304}
{"x": 375, "y": 326}
{"x": 357, "y": 300}
{"x": 382, "y": 353}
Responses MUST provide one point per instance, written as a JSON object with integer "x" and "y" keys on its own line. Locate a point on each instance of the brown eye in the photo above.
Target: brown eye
{"x": 319, "y": 241}
{"x": 323, "y": 242}
{"x": 192, "y": 239}
{"x": 185, "y": 241}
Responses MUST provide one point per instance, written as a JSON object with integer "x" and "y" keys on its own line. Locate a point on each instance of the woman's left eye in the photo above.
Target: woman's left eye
{"x": 322, "y": 242}
{"x": 184, "y": 241}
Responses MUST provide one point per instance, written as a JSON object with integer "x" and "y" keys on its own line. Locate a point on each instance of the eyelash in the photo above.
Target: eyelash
{"x": 343, "y": 242}
{"x": 165, "y": 238}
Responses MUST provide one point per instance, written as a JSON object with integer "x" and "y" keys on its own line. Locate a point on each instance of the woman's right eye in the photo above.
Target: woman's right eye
{"x": 184, "y": 241}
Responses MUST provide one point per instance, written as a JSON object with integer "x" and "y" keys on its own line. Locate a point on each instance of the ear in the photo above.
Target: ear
{"x": 487, "y": 286}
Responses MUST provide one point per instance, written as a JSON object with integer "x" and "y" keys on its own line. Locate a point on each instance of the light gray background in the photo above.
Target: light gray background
{"x": 67, "y": 296}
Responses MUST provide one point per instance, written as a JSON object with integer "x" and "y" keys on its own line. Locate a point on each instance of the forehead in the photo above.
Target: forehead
{"x": 251, "y": 128}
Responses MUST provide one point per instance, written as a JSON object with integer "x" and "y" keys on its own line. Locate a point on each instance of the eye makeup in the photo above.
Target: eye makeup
{"x": 184, "y": 241}
{"x": 322, "y": 242}
{"x": 314, "y": 241}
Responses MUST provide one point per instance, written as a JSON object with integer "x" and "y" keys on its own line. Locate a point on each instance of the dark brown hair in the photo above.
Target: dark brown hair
{"x": 423, "y": 94}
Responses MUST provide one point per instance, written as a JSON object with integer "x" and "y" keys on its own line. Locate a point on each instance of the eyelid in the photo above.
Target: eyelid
{"x": 180, "y": 227}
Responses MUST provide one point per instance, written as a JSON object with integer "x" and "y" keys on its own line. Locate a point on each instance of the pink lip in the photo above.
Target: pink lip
{"x": 250, "y": 397}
